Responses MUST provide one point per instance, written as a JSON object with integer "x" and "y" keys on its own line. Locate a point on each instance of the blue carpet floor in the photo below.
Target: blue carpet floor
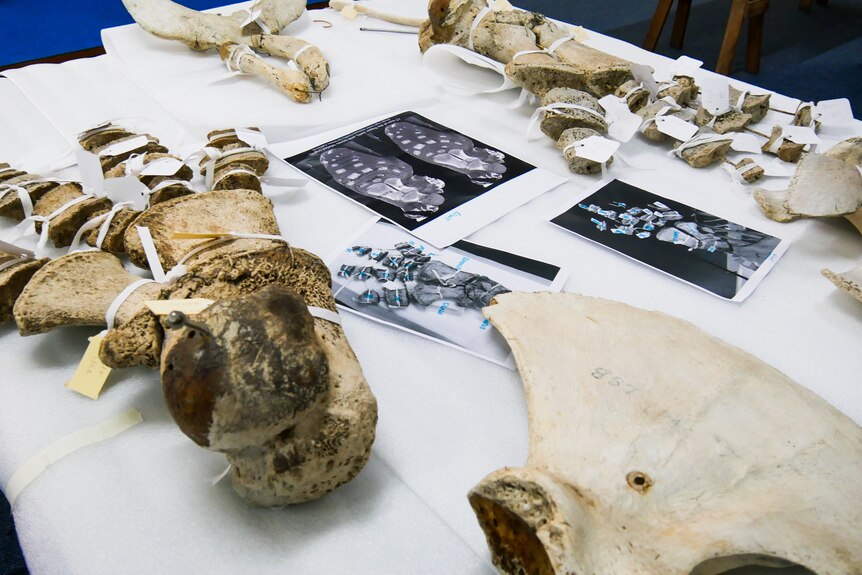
{"x": 809, "y": 55}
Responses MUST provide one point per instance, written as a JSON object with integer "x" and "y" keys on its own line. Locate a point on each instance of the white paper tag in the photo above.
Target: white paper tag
{"x": 834, "y": 112}
{"x": 462, "y": 69}
{"x": 800, "y": 134}
{"x": 777, "y": 168}
{"x": 643, "y": 75}
{"x": 747, "y": 143}
{"x": 92, "y": 178}
{"x": 715, "y": 95}
{"x": 162, "y": 167}
{"x": 685, "y": 66}
{"x": 253, "y": 138}
{"x": 596, "y": 148}
{"x": 622, "y": 123}
{"x": 124, "y": 146}
{"x": 13, "y": 250}
{"x": 675, "y": 128}
{"x": 128, "y": 189}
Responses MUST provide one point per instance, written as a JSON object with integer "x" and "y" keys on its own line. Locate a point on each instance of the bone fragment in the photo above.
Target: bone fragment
{"x": 502, "y": 34}
{"x": 821, "y": 187}
{"x": 682, "y": 91}
{"x": 643, "y": 461}
{"x": 850, "y": 151}
{"x": 733, "y": 121}
{"x": 849, "y": 281}
{"x": 294, "y": 83}
{"x": 77, "y": 289}
{"x": 14, "y": 275}
{"x": 36, "y": 187}
{"x": 576, "y": 163}
{"x": 636, "y": 95}
{"x": 787, "y": 150}
{"x": 751, "y": 175}
{"x": 373, "y": 13}
{"x": 650, "y": 111}
{"x": 755, "y": 105}
{"x": 243, "y": 211}
{"x": 113, "y": 240}
{"x": 65, "y": 225}
{"x": 555, "y": 122}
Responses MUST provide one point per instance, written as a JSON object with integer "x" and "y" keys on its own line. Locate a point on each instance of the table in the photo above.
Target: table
{"x": 142, "y": 503}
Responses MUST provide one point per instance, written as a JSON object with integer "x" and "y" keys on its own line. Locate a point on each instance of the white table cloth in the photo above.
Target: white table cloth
{"x": 141, "y": 502}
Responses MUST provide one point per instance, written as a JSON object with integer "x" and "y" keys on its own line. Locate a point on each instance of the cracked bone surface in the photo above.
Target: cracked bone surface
{"x": 849, "y": 281}
{"x": 279, "y": 392}
{"x": 503, "y": 34}
{"x": 657, "y": 448}
{"x": 821, "y": 187}
{"x": 202, "y": 31}
{"x": 374, "y": 13}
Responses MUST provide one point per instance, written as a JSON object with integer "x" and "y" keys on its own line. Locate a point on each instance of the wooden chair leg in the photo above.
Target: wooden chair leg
{"x": 731, "y": 37}
{"x": 657, "y": 24}
{"x": 755, "y": 44}
{"x": 680, "y": 22}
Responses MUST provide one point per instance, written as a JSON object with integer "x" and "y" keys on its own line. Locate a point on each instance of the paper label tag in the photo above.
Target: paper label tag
{"x": 92, "y": 178}
{"x": 778, "y": 168}
{"x": 187, "y": 306}
{"x": 643, "y": 75}
{"x": 800, "y": 134}
{"x": 91, "y": 375}
{"x": 715, "y": 95}
{"x": 124, "y": 146}
{"x": 834, "y": 112}
{"x": 128, "y": 189}
{"x": 747, "y": 143}
{"x": 622, "y": 123}
{"x": 13, "y": 250}
{"x": 675, "y": 128}
{"x": 162, "y": 167}
{"x": 253, "y": 138}
{"x": 596, "y": 148}
{"x": 685, "y": 66}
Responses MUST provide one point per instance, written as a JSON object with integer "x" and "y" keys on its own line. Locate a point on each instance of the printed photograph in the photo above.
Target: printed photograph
{"x": 389, "y": 276}
{"x": 715, "y": 254}
{"x": 409, "y": 169}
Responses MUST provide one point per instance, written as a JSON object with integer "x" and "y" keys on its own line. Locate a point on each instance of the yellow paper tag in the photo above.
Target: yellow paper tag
{"x": 350, "y": 12}
{"x": 91, "y": 375}
{"x": 187, "y": 306}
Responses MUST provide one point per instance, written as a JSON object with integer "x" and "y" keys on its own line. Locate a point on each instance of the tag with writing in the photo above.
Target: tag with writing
{"x": 643, "y": 75}
{"x": 835, "y": 112}
{"x": 715, "y": 95}
{"x": 747, "y": 143}
{"x": 622, "y": 123}
{"x": 800, "y": 134}
{"x": 187, "y": 306}
{"x": 675, "y": 128}
{"x": 596, "y": 148}
{"x": 162, "y": 167}
{"x": 91, "y": 375}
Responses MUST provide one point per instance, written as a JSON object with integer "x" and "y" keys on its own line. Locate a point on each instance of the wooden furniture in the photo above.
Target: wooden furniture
{"x": 740, "y": 10}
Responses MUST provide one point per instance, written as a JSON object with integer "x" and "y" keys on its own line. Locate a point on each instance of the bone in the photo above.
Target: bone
{"x": 751, "y": 175}
{"x": 805, "y": 116}
{"x": 15, "y": 273}
{"x": 202, "y": 31}
{"x": 850, "y": 151}
{"x": 732, "y": 121}
{"x": 849, "y": 281}
{"x": 649, "y": 112}
{"x": 113, "y": 240}
{"x": 636, "y": 95}
{"x": 576, "y": 163}
{"x": 634, "y": 452}
{"x": 65, "y": 225}
{"x": 109, "y": 160}
{"x": 35, "y": 186}
{"x": 755, "y": 105}
{"x": 787, "y": 150}
{"x": 243, "y": 211}
{"x": 707, "y": 153}
{"x": 682, "y": 91}
{"x": 502, "y": 34}
{"x": 373, "y": 13}
{"x": 821, "y": 187}
{"x": 77, "y": 289}
{"x": 555, "y": 122}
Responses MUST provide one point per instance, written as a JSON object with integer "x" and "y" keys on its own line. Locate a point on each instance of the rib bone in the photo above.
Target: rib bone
{"x": 656, "y": 448}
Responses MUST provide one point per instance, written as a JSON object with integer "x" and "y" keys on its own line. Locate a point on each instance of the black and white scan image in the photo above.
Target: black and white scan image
{"x": 715, "y": 254}
{"x": 388, "y": 275}
{"x": 409, "y": 169}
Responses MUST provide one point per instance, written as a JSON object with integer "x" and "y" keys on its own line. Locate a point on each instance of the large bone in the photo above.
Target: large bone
{"x": 15, "y": 273}
{"x": 821, "y": 187}
{"x": 202, "y": 31}
{"x": 849, "y": 281}
{"x": 501, "y": 34}
{"x": 656, "y": 448}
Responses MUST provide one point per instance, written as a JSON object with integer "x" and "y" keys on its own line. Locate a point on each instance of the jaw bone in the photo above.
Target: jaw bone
{"x": 656, "y": 448}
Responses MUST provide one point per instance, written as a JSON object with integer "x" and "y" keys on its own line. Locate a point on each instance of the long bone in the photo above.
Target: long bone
{"x": 202, "y": 31}
{"x": 522, "y": 41}
{"x": 656, "y": 448}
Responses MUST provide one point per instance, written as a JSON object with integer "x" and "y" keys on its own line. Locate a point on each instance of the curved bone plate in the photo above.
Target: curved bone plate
{"x": 656, "y": 448}
{"x": 850, "y": 281}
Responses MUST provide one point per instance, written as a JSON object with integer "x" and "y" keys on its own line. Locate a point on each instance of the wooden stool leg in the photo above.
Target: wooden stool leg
{"x": 755, "y": 44}
{"x": 657, "y": 24}
{"x": 683, "y": 7}
{"x": 731, "y": 37}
